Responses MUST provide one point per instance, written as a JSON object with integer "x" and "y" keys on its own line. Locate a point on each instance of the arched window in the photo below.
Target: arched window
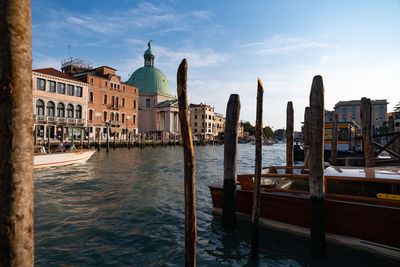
{"x": 70, "y": 111}
{"x": 50, "y": 108}
{"x": 105, "y": 115}
{"x": 134, "y": 119}
{"x": 91, "y": 97}
{"x": 39, "y": 107}
{"x": 78, "y": 112}
{"x": 111, "y": 116}
{"x": 123, "y": 118}
{"x": 60, "y": 110}
{"x": 117, "y": 116}
{"x": 90, "y": 114}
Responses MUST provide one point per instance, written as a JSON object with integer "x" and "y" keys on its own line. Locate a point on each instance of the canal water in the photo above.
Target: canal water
{"x": 126, "y": 208}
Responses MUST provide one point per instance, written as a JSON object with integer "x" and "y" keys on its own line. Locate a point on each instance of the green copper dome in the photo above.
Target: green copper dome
{"x": 149, "y": 52}
{"x": 150, "y": 80}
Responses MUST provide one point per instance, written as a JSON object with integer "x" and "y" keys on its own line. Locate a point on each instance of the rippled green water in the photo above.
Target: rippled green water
{"x": 126, "y": 208}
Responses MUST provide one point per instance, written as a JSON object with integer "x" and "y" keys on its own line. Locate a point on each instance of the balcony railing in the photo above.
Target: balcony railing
{"x": 43, "y": 118}
{"x": 114, "y": 107}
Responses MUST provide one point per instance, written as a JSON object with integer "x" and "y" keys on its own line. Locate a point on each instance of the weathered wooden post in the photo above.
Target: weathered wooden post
{"x": 81, "y": 138}
{"x": 366, "y": 131}
{"x": 16, "y": 122}
{"x": 107, "y": 139}
{"x": 190, "y": 200}
{"x": 391, "y": 130}
{"x": 115, "y": 144}
{"x": 306, "y": 137}
{"x": 48, "y": 137}
{"x": 255, "y": 216}
{"x": 230, "y": 160}
{"x": 334, "y": 141}
{"x": 316, "y": 178}
{"x": 98, "y": 140}
{"x": 289, "y": 136}
{"x": 129, "y": 141}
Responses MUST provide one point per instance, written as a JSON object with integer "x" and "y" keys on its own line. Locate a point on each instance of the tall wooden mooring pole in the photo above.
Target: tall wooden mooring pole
{"x": 316, "y": 180}
{"x": 289, "y": 136}
{"x": 306, "y": 136}
{"x": 255, "y": 215}
{"x": 188, "y": 151}
{"x": 16, "y": 139}
{"x": 334, "y": 142}
{"x": 366, "y": 131}
{"x": 230, "y": 161}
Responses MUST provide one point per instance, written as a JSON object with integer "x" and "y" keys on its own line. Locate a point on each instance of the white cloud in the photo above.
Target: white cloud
{"x": 282, "y": 44}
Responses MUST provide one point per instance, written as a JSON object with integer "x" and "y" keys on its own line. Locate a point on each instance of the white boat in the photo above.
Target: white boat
{"x": 43, "y": 158}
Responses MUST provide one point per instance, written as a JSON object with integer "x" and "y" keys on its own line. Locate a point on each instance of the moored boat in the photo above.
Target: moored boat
{"x": 361, "y": 204}
{"x": 43, "y": 158}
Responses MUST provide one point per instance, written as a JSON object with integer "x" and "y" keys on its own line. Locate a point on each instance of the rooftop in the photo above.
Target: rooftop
{"x": 56, "y": 73}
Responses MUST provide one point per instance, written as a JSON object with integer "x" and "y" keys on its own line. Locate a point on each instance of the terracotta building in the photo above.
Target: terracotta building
{"x": 111, "y": 103}
{"x": 60, "y": 105}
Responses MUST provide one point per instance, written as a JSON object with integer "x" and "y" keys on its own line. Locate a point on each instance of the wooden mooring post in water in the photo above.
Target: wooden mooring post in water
{"x": 366, "y": 131}
{"x": 334, "y": 141}
{"x": 16, "y": 142}
{"x": 188, "y": 151}
{"x": 316, "y": 177}
{"x": 230, "y": 160}
{"x": 114, "y": 144}
{"x": 107, "y": 139}
{"x": 289, "y": 137}
{"x": 98, "y": 140}
{"x": 255, "y": 215}
{"x": 306, "y": 136}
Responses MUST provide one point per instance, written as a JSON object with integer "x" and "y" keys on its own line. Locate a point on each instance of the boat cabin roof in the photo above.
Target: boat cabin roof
{"x": 391, "y": 172}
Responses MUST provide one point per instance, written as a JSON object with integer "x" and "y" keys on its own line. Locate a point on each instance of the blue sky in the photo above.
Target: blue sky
{"x": 354, "y": 45}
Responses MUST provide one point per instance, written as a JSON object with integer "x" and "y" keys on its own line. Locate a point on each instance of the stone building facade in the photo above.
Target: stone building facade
{"x": 202, "y": 121}
{"x": 60, "y": 105}
{"x": 350, "y": 111}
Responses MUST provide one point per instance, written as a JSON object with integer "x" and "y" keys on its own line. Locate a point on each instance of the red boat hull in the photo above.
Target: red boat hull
{"x": 366, "y": 221}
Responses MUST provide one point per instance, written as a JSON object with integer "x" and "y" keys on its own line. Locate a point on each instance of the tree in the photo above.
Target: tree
{"x": 247, "y": 127}
{"x": 268, "y": 132}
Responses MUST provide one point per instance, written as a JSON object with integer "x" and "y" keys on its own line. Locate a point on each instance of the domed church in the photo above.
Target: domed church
{"x": 158, "y": 108}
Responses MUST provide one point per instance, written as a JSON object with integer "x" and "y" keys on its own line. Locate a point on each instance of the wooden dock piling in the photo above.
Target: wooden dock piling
{"x": 107, "y": 140}
{"x": 16, "y": 142}
{"x": 366, "y": 131}
{"x": 98, "y": 140}
{"x": 255, "y": 215}
{"x": 289, "y": 136}
{"x": 188, "y": 150}
{"x": 316, "y": 178}
{"x": 306, "y": 136}
{"x": 334, "y": 141}
{"x": 114, "y": 143}
{"x": 230, "y": 160}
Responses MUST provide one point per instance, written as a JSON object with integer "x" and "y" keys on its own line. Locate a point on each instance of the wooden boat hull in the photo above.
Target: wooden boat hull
{"x": 366, "y": 221}
{"x": 62, "y": 158}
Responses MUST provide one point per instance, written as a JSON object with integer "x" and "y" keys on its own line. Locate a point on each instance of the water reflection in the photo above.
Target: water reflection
{"x": 127, "y": 208}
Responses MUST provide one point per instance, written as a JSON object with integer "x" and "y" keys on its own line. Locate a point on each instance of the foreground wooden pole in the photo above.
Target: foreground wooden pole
{"x": 255, "y": 215}
{"x": 230, "y": 159}
{"x": 16, "y": 142}
{"x": 316, "y": 180}
{"x": 98, "y": 140}
{"x": 115, "y": 144}
{"x": 334, "y": 141}
{"x": 306, "y": 137}
{"x": 190, "y": 200}
{"x": 366, "y": 131}
{"x": 289, "y": 135}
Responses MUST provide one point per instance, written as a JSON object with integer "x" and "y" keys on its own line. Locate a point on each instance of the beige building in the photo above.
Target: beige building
{"x": 219, "y": 124}
{"x": 60, "y": 104}
{"x": 202, "y": 120}
{"x": 350, "y": 111}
